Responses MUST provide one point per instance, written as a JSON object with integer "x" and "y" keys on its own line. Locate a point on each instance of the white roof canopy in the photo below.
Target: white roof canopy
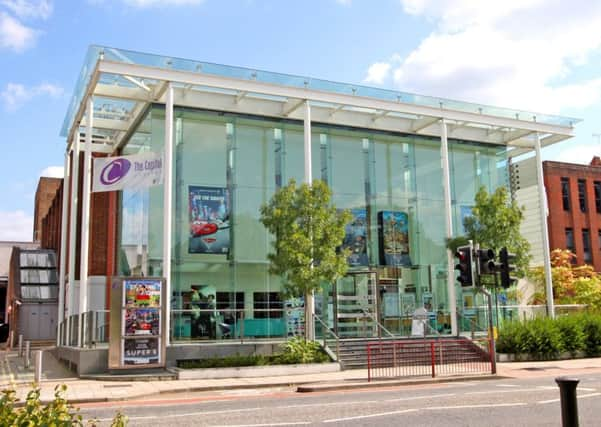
{"x": 124, "y": 84}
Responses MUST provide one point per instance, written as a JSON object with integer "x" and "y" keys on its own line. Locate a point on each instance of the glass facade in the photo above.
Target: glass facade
{"x": 226, "y": 166}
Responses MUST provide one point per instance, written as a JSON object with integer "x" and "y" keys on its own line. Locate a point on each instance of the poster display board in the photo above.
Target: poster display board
{"x": 393, "y": 238}
{"x": 355, "y": 238}
{"x": 209, "y": 214}
{"x": 295, "y": 317}
{"x": 137, "y": 323}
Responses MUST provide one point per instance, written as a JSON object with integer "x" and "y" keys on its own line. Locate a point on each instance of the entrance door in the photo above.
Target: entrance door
{"x": 356, "y": 306}
{"x": 38, "y": 321}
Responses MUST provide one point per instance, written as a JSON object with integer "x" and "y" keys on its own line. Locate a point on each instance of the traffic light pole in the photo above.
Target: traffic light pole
{"x": 491, "y": 335}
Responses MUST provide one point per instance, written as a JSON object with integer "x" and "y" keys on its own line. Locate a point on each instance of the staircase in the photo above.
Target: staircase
{"x": 353, "y": 352}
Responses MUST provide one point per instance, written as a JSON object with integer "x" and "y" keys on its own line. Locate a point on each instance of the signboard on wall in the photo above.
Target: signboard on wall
{"x": 209, "y": 214}
{"x": 127, "y": 172}
{"x": 137, "y": 323}
{"x": 393, "y": 238}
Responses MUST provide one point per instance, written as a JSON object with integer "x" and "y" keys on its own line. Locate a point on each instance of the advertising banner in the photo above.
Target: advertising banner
{"x": 393, "y": 230}
{"x": 141, "y": 322}
{"x": 141, "y": 351}
{"x": 127, "y": 172}
{"x": 209, "y": 212}
{"x": 355, "y": 238}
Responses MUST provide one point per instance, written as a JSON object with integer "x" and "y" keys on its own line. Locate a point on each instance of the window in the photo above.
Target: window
{"x": 565, "y": 193}
{"x": 582, "y": 194}
{"x": 267, "y": 305}
{"x": 228, "y": 300}
{"x": 597, "y": 186}
{"x": 570, "y": 240}
{"x": 586, "y": 245}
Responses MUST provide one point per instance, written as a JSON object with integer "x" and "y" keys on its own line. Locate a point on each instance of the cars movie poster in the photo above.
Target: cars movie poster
{"x": 209, "y": 220}
{"x": 142, "y": 321}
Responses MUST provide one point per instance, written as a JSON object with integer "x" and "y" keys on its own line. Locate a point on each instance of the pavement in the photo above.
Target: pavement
{"x": 14, "y": 375}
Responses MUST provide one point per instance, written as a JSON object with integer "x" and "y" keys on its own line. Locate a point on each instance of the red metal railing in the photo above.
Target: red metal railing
{"x": 396, "y": 359}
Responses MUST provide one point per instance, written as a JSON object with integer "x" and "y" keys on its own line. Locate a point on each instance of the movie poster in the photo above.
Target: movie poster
{"x": 142, "y": 321}
{"x": 142, "y": 293}
{"x": 393, "y": 233}
{"x": 209, "y": 213}
{"x": 141, "y": 351}
{"x": 355, "y": 238}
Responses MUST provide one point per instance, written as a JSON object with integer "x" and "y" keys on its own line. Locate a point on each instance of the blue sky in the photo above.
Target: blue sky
{"x": 539, "y": 55}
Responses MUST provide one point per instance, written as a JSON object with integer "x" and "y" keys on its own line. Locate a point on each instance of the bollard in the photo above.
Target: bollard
{"x": 569, "y": 402}
{"x": 20, "y": 345}
{"x": 37, "y": 375}
{"x": 27, "y": 354}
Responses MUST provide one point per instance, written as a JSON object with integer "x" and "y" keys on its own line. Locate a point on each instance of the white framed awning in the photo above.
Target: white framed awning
{"x": 124, "y": 84}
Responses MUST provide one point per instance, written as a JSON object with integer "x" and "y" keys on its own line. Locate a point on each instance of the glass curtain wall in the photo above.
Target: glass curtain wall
{"x": 226, "y": 166}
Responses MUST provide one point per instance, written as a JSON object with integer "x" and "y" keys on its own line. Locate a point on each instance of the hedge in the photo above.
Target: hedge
{"x": 547, "y": 338}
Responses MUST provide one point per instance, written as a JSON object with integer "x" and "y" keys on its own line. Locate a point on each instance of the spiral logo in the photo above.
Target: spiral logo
{"x": 114, "y": 171}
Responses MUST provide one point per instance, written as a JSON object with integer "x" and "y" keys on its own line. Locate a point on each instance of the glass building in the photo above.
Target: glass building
{"x": 406, "y": 166}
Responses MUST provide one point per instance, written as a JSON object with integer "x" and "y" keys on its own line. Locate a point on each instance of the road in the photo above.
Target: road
{"x": 504, "y": 402}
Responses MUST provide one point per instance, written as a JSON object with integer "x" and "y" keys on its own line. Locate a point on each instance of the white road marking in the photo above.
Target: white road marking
{"x": 188, "y": 414}
{"x": 485, "y": 405}
{"x": 291, "y": 423}
{"x": 507, "y": 391}
{"x": 507, "y": 385}
{"x": 401, "y": 399}
{"x": 359, "y": 417}
{"x": 584, "y": 396}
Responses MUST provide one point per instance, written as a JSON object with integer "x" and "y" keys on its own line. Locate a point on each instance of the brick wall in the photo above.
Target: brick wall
{"x": 560, "y": 219}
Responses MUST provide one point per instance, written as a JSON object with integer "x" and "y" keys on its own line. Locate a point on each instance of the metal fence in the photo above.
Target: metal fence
{"x": 431, "y": 358}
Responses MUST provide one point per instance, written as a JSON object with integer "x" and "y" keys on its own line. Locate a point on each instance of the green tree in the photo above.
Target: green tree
{"x": 571, "y": 284}
{"x": 495, "y": 223}
{"x": 308, "y": 231}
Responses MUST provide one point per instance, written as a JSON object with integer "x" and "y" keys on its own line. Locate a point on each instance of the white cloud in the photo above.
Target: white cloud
{"x": 53, "y": 172}
{"x": 16, "y": 226}
{"x": 162, "y": 3}
{"x": 15, "y": 95}
{"x": 515, "y": 53}
{"x": 14, "y": 35}
{"x": 577, "y": 153}
{"x": 29, "y": 9}
{"x": 378, "y": 72}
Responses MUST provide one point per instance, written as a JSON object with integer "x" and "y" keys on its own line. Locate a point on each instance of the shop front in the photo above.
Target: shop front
{"x": 406, "y": 167}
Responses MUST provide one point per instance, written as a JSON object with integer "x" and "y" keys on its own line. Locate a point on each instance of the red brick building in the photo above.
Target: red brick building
{"x": 574, "y": 201}
{"x": 44, "y": 197}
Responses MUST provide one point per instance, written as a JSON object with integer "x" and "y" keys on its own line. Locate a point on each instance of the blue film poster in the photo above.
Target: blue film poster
{"x": 209, "y": 212}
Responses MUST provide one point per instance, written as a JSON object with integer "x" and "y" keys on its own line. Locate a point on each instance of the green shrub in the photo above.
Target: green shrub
{"x": 591, "y": 325}
{"x": 572, "y": 333}
{"x": 295, "y": 350}
{"x": 298, "y": 350}
{"x": 57, "y": 413}
{"x": 547, "y": 338}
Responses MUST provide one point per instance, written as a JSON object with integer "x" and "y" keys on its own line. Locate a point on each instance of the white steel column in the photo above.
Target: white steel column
{"x": 307, "y": 145}
{"x": 542, "y": 201}
{"x": 63, "y": 251}
{"x": 310, "y": 298}
{"x": 85, "y": 223}
{"x": 446, "y": 185}
{"x": 167, "y": 207}
{"x": 73, "y": 229}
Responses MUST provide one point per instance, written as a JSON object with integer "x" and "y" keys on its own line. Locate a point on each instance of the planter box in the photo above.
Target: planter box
{"x": 256, "y": 371}
{"x": 526, "y": 357}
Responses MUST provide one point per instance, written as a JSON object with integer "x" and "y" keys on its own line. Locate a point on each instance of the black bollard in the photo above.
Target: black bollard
{"x": 569, "y": 403}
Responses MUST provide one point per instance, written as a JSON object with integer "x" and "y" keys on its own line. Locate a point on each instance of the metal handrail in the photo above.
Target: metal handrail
{"x": 380, "y": 326}
{"x": 330, "y": 331}
{"x": 474, "y": 325}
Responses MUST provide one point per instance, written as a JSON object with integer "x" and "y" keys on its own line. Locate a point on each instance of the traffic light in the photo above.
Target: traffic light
{"x": 506, "y": 266}
{"x": 464, "y": 254}
{"x": 486, "y": 261}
